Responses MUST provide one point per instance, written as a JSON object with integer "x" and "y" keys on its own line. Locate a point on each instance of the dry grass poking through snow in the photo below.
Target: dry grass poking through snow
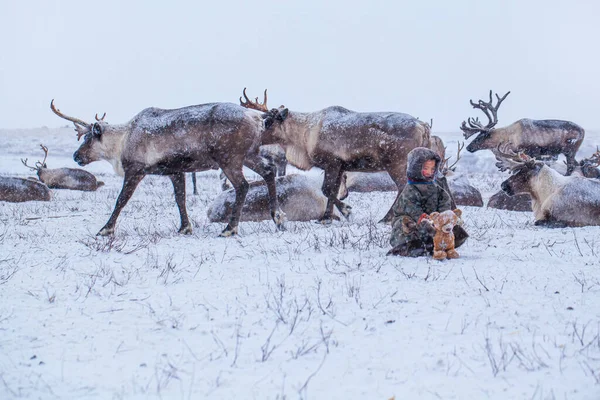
{"x": 313, "y": 312}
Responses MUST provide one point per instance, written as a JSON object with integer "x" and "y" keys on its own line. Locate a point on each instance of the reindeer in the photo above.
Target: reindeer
{"x": 299, "y": 197}
{"x": 64, "y": 178}
{"x": 172, "y": 142}
{"x": 556, "y": 200}
{"x": 336, "y": 139}
{"x": 462, "y": 193}
{"x": 17, "y": 190}
{"x": 503, "y": 201}
{"x": 536, "y": 138}
{"x": 588, "y": 168}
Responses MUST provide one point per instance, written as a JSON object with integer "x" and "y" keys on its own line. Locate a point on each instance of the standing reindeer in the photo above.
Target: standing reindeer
{"x": 534, "y": 137}
{"x": 173, "y": 142}
{"x": 336, "y": 139}
{"x": 64, "y": 178}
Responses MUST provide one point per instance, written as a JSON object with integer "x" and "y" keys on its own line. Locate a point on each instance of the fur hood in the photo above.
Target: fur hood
{"x": 416, "y": 159}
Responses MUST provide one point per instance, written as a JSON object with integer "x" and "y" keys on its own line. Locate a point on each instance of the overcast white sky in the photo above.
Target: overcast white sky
{"x": 424, "y": 58}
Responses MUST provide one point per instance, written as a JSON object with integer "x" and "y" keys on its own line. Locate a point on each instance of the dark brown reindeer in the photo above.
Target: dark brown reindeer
{"x": 336, "y": 139}
{"x": 173, "y": 142}
{"x": 537, "y": 138}
{"x": 17, "y": 190}
{"x": 64, "y": 178}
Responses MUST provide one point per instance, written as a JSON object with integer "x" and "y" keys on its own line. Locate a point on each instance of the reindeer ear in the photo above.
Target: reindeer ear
{"x": 96, "y": 129}
{"x": 458, "y": 213}
{"x": 282, "y": 114}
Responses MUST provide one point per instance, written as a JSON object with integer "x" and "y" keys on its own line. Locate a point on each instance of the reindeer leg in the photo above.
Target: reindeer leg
{"x": 571, "y": 163}
{"x": 332, "y": 174}
{"x": 178, "y": 181}
{"x": 344, "y": 208}
{"x": 132, "y": 179}
{"x": 194, "y": 183}
{"x": 240, "y": 185}
{"x": 267, "y": 170}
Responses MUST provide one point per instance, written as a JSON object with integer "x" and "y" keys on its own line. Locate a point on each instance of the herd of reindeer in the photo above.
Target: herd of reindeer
{"x": 357, "y": 152}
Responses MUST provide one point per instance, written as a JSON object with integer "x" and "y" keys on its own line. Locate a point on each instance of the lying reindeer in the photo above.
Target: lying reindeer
{"x": 588, "y": 168}
{"x": 336, "y": 140}
{"x": 536, "y": 138}
{"x": 298, "y": 195}
{"x": 556, "y": 200}
{"x": 173, "y": 142}
{"x": 64, "y": 178}
{"x": 272, "y": 156}
{"x": 17, "y": 190}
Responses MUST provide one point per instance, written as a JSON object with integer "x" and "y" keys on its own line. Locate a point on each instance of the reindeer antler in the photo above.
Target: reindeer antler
{"x": 25, "y": 164}
{"x": 43, "y": 163}
{"x": 81, "y": 127}
{"x": 489, "y": 110}
{"x": 100, "y": 119}
{"x": 254, "y": 105}
{"x": 460, "y": 147}
{"x": 508, "y": 159}
{"x": 445, "y": 168}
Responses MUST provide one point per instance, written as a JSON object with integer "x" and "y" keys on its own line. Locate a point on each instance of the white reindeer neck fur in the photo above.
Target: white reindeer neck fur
{"x": 300, "y": 132}
{"x": 544, "y": 184}
{"x": 111, "y": 147}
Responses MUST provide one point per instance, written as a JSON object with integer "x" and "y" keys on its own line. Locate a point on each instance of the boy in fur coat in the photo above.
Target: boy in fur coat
{"x": 423, "y": 194}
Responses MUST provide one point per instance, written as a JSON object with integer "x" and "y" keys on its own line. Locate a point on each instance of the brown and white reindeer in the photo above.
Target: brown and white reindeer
{"x": 64, "y": 178}
{"x": 587, "y": 167}
{"x": 536, "y": 138}
{"x": 336, "y": 140}
{"x": 556, "y": 200}
{"x": 173, "y": 142}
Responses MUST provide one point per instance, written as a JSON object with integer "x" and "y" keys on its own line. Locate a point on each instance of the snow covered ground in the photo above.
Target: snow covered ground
{"x": 313, "y": 312}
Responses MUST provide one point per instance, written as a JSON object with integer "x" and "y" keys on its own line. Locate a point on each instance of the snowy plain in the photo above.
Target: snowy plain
{"x": 312, "y": 312}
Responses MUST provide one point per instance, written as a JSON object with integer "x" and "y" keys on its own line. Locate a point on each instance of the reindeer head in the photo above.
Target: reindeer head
{"x": 475, "y": 126}
{"x": 39, "y": 166}
{"x": 522, "y": 168}
{"x": 92, "y": 135}
{"x": 270, "y": 116}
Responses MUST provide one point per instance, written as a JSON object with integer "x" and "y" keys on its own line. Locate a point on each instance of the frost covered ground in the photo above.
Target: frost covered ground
{"x": 313, "y": 312}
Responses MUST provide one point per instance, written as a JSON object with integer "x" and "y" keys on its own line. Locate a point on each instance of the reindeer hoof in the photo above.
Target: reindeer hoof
{"x": 185, "y": 230}
{"x": 227, "y": 232}
{"x": 280, "y": 219}
{"x": 106, "y": 232}
{"x": 346, "y": 210}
